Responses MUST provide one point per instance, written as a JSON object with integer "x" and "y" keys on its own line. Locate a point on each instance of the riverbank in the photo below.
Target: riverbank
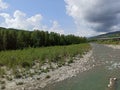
{"x": 96, "y": 78}
{"x": 21, "y": 68}
{"x": 40, "y": 81}
{"x": 113, "y": 46}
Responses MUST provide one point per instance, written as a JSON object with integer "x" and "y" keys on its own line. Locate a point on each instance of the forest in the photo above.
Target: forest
{"x": 12, "y": 39}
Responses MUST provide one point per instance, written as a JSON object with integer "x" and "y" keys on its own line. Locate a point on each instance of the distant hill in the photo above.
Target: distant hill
{"x": 107, "y": 35}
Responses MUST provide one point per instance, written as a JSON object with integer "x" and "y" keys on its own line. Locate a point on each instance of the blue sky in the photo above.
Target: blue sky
{"x": 79, "y": 17}
{"x": 51, "y": 10}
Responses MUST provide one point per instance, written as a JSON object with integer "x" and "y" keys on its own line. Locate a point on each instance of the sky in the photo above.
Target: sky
{"x": 78, "y": 17}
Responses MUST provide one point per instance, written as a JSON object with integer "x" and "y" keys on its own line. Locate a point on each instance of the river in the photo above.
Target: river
{"x": 107, "y": 61}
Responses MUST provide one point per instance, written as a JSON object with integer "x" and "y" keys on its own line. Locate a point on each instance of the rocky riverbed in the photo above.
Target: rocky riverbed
{"x": 107, "y": 65}
{"x": 58, "y": 74}
{"x": 114, "y": 46}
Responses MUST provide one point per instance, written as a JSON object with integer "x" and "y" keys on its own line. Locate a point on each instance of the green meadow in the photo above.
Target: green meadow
{"x": 55, "y": 54}
{"x": 25, "y": 58}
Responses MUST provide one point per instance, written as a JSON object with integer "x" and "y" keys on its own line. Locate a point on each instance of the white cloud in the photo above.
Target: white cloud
{"x": 77, "y": 9}
{"x": 19, "y": 20}
{"x": 3, "y": 5}
{"x": 56, "y": 28}
{"x": 94, "y": 16}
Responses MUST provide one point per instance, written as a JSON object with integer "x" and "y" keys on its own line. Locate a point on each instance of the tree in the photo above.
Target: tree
{"x": 18, "y": 39}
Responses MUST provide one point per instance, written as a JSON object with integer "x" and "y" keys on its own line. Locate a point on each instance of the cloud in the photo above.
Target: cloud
{"x": 94, "y": 16}
{"x": 3, "y": 5}
{"x": 19, "y": 20}
{"x": 56, "y": 28}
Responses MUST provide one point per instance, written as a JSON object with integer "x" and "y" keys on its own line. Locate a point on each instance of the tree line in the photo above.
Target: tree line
{"x": 12, "y": 39}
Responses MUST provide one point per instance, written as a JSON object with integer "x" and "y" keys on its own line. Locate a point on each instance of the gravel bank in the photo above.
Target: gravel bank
{"x": 62, "y": 73}
{"x": 114, "y": 46}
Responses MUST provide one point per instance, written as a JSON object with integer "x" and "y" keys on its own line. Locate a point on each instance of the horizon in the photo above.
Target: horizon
{"x": 78, "y": 17}
{"x": 60, "y": 33}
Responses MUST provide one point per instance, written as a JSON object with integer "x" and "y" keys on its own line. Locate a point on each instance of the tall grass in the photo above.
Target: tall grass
{"x": 19, "y": 58}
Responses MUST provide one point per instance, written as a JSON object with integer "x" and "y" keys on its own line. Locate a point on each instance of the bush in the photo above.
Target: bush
{"x": 17, "y": 76}
{"x": 70, "y": 61}
{"x": 25, "y": 64}
{"x": 2, "y": 72}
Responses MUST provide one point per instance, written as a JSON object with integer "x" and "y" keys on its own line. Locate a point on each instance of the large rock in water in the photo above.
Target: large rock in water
{"x": 112, "y": 83}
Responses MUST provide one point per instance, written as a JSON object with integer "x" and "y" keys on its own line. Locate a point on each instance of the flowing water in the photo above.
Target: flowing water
{"x": 107, "y": 62}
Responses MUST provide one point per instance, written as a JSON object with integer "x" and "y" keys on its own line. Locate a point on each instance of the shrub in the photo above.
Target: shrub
{"x": 25, "y": 64}
{"x": 70, "y": 61}
{"x": 17, "y": 76}
{"x": 2, "y": 72}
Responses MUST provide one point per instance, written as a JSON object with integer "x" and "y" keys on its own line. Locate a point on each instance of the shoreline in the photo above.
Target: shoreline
{"x": 40, "y": 81}
{"x": 113, "y": 46}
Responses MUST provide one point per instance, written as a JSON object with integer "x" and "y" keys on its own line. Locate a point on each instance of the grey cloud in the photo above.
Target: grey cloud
{"x": 93, "y": 17}
{"x": 105, "y": 13}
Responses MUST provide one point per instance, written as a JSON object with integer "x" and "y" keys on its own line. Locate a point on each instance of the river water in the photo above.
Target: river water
{"x": 107, "y": 61}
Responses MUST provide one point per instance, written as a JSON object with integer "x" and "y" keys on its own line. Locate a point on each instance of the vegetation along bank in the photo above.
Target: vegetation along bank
{"x": 25, "y": 54}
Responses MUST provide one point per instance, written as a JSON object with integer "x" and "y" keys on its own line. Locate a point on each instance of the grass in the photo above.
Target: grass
{"x": 26, "y": 57}
{"x": 2, "y": 71}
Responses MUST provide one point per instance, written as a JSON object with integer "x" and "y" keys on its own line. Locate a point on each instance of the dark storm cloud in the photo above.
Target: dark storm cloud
{"x": 93, "y": 17}
{"x": 105, "y": 13}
